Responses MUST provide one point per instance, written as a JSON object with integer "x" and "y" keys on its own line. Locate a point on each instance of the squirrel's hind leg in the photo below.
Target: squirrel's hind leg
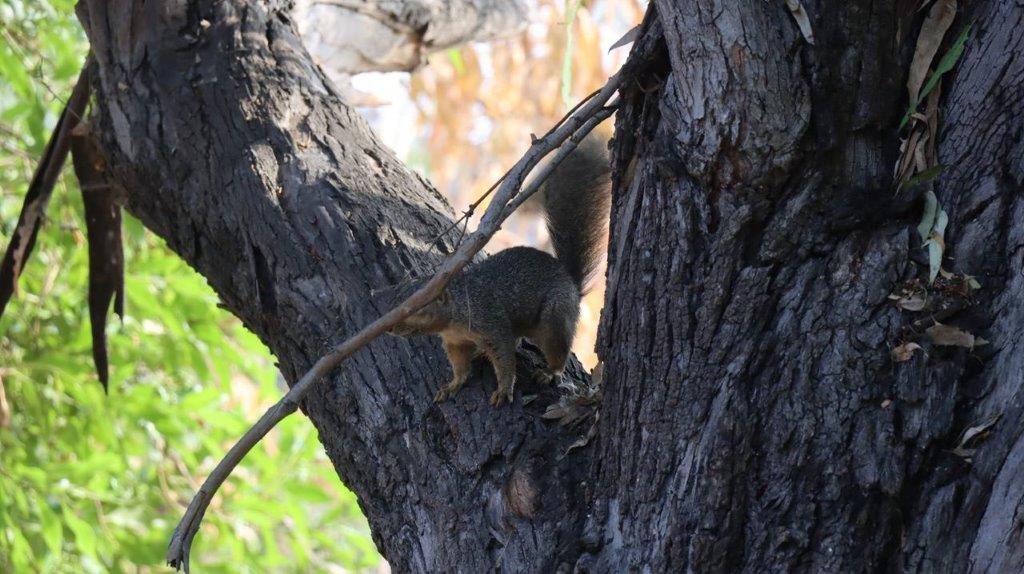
{"x": 460, "y": 356}
{"x": 502, "y": 354}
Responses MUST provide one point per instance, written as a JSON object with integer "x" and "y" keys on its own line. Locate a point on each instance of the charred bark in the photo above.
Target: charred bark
{"x": 752, "y": 417}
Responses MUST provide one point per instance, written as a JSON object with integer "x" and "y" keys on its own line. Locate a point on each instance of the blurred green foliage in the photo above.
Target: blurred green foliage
{"x": 94, "y": 483}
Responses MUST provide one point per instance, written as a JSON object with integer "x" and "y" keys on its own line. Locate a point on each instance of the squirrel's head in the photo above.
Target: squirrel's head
{"x": 430, "y": 318}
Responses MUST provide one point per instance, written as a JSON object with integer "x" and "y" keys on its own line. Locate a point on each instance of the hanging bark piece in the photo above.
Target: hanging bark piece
{"x": 23, "y": 238}
{"x": 106, "y": 252}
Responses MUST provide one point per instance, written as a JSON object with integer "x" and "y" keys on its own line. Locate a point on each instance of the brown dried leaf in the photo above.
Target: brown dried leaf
{"x": 554, "y": 411}
{"x": 932, "y": 114}
{"x": 939, "y": 19}
{"x": 627, "y": 38}
{"x": 913, "y": 302}
{"x": 908, "y": 151}
{"x": 965, "y": 453}
{"x": 912, "y": 297}
{"x": 585, "y": 439}
{"x": 902, "y": 354}
{"x": 920, "y": 152}
{"x": 974, "y": 435}
{"x": 802, "y": 20}
{"x": 949, "y": 336}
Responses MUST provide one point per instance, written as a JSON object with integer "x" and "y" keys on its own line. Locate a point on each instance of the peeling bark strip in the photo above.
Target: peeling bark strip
{"x": 23, "y": 238}
{"x": 752, "y": 417}
{"x": 106, "y": 253}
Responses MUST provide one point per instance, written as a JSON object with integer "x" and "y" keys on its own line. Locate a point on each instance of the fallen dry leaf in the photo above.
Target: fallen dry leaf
{"x": 949, "y": 336}
{"x": 931, "y": 114}
{"x": 627, "y": 38}
{"x": 974, "y": 435}
{"x": 939, "y": 19}
{"x": 803, "y": 21}
{"x": 585, "y": 439}
{"x": 911, "y": 296}
{"x": 908, "y": 151}
{"x": 912, "y": 301}
{"x": 902, "y": 354}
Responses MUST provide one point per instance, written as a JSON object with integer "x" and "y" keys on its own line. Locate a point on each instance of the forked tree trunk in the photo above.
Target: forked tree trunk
{"x": 752, "y": 416}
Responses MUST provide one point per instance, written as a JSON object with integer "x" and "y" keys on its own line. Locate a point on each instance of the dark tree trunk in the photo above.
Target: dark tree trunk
{"x": 752, "y": 417}
{"x": 756, "y": 239}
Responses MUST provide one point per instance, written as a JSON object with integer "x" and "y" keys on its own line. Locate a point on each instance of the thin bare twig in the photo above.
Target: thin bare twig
{"x": 576, "y": 126}
{"x": 476, "y": 203}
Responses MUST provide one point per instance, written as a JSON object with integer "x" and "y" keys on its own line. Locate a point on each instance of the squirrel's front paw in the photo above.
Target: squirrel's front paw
{"x": 448, "y": 391}
{"x": 499, "y": 396}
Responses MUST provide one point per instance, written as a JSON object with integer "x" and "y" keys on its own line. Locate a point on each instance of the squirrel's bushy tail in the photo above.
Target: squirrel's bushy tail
{"x": 577, "y": 197}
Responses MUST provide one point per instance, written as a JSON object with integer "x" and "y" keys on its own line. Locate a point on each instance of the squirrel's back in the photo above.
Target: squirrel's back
{"x": 576, "y": 199}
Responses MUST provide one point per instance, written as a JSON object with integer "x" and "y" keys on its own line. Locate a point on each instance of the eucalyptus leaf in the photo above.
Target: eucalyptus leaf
{"x": 931, "y": 206}
{"x": 946, "y": 64}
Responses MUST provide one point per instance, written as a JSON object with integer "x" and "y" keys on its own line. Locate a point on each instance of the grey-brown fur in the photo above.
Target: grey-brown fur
{"x": 522, "y": 291}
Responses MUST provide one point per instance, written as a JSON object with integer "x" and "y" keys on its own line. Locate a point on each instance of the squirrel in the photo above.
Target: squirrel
{"x": 525, "y": 292}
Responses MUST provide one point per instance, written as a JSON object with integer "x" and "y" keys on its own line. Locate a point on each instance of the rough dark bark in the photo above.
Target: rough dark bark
{"x": 234, "y": 149}
{"x": 752, "y": 418}
{"x": 756, "y": 239}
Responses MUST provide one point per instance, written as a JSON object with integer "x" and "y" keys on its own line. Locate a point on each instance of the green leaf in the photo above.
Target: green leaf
{"x": 53, "y": 532}
{"x": 932, "y": 230}
{"x": 85, "y": 537}
{"x": 931, "y": 205}
{"x": 455, "y": 57}
{"x": 923, "y": 177}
